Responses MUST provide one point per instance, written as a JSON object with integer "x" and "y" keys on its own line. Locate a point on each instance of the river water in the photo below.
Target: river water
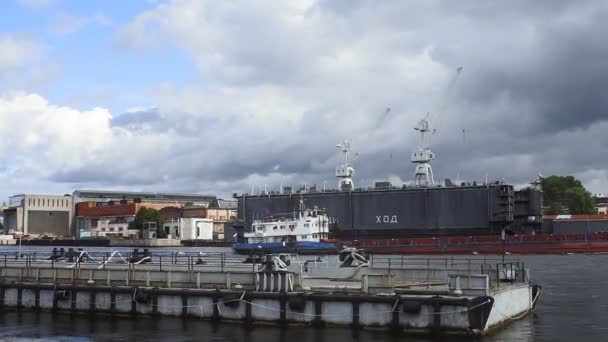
{"x": 573, "y": 306}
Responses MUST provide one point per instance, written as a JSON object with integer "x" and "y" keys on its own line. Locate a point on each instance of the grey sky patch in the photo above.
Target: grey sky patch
{"x": 136, "y": 118}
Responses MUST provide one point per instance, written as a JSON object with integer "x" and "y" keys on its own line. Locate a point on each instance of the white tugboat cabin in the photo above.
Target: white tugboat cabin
{"x": 310, "y": 225}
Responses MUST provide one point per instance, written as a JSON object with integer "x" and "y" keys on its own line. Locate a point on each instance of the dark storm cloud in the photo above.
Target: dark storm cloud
{"x": 563, "y": 81}
{"x": 531, "y": 97}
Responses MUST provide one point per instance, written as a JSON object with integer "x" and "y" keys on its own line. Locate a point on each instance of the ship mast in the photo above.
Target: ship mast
{"x": 422, "y": 157}
{"x": 345, "y": 170}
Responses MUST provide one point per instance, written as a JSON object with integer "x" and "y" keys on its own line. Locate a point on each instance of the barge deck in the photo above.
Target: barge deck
{"x": 409, "y": 295}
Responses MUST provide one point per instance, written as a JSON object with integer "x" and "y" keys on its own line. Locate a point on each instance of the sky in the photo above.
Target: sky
{"x": 215, "y": 97}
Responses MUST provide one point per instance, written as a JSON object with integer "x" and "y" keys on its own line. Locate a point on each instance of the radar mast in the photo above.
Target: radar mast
{"x": 345, "y": 171}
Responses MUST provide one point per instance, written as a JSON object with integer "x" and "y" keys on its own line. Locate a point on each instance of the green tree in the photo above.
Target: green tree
{"x": 568, "y": 191}
{"x": 579, "y": 201}
{"x": 145, "y": 215}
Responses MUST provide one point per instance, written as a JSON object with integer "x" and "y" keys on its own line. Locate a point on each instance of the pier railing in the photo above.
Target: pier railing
{"x": 162, "y": 261}
{"x": 409, "y": 271}
{"x": 430, "y": 270}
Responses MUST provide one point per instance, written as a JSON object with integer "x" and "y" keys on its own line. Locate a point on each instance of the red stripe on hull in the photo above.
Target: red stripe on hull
{"x": 538, "y": 244}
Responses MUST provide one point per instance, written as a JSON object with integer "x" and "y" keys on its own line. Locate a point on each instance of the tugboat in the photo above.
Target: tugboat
{"x": 305, "y": 231}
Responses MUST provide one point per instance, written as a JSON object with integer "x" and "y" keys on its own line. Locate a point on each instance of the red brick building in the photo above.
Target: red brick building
{"x": 111, "y": 218}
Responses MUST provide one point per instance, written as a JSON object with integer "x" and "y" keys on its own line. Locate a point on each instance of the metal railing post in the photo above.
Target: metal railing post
{"x": 428, "y": 269}
{"x": 497, "y": 276}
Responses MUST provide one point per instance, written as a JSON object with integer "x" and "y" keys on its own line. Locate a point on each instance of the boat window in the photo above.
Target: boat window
{"x": 314, "y": 236}
{"x": 282, "y": 227}
{"x": 274, "y": 228}
{"x": 304, "y": 236}
{"x": 260, "y": 227}
{"x": 306, "y": 225}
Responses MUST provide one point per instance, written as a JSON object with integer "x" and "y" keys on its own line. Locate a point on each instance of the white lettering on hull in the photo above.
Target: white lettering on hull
{"x": 386, "y": 219}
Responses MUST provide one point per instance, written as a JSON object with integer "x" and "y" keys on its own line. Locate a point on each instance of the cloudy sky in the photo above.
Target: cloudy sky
{"x": 214, "y": 96}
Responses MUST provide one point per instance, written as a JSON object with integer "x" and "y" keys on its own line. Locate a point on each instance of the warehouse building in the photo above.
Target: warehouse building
{"x": 147, "y": 197}
{"x": 575, "y": 224}
{"x": 39, "y": 215}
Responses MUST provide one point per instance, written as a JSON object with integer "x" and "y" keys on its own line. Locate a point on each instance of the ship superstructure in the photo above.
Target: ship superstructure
{"x": 302, "y": 225}
{"x": 344, "y": 170}
{"x": 424, "y": 208}
{"x": 302, "y": 231}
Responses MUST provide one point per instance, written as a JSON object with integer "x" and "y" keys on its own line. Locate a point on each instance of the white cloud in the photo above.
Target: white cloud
{"x": 24, "y": 64}
{"x": 66, "y": 23}
{"x": 40, "y": 141}
{"x": 16, "y": 52}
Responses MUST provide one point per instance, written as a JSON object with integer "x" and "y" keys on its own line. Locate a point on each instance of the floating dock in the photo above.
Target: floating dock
{"x": 404, "y": 294}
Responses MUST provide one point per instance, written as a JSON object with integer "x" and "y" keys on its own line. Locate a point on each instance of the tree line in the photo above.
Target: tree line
{"x": 566, "y": 192}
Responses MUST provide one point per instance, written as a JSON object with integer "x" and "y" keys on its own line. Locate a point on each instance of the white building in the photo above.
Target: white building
{"x": 39, "y": 215}
{"x": 190, "y": 228}
{"x": 113, "y": 227}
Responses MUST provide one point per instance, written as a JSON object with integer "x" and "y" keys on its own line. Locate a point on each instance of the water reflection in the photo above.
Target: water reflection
{"x": 22, "y": 326}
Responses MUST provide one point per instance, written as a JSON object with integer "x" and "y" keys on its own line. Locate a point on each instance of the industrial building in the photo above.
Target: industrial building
{"x": 40, "y": 215}
{"x": 147, "y": 197}
{"x": 101, "y": 213}
{"x": 575, "y": 224}
{"x": 601, "y": 204}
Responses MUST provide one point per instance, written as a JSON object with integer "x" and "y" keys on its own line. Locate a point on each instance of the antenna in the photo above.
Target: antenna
{"x": 345, "y": 171}
{"x": 422, "y": 157}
